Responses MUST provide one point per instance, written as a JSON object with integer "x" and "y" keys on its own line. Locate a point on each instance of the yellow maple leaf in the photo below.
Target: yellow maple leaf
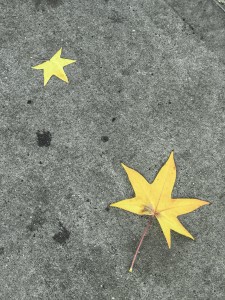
{"x": 155, "y": 199}
{"x": 54, "y": 66}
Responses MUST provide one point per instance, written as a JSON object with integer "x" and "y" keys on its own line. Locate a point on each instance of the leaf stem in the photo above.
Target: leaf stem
{"x": 139, "y": 245}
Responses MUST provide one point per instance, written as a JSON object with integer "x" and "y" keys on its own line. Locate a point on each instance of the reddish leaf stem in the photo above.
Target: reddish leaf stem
{"x": 141, "y": 240}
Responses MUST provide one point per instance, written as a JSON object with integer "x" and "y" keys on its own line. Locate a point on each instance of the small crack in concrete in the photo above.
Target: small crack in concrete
{"x": 218, "y": 3}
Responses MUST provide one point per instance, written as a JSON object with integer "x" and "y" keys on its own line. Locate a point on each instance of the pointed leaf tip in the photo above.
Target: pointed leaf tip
{"x": 172, "y": 154}
{"x": 123, "y": 165}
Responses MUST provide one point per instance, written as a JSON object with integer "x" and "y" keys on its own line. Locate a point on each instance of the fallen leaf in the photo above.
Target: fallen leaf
{"x": 54, "y": 66}
{"x": 155, "y": 199}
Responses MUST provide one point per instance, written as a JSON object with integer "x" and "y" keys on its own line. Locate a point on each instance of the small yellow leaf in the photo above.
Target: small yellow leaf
{"x": 54, "y": 66}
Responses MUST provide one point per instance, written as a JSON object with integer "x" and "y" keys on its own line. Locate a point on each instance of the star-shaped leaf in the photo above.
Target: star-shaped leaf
{"x": 155, "y": 199}
{"x": 54, "y": 66}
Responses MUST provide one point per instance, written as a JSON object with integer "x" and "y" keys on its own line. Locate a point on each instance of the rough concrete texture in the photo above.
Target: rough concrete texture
{"x": 149, "y": 78}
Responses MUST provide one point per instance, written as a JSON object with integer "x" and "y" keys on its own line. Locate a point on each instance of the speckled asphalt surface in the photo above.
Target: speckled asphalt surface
{"x": 149, "y": 78}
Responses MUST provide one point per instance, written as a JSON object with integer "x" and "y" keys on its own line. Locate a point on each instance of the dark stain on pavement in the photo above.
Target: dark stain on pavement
{"x": 44, "y": 138}
{"x": 37, "y": 3}
{"x": 63, "y": 235}
{"x": 104, "y": 138}
{"x": 37, "y": 220}
{"x": 2, "y": 250}
{"x": 115, "y": 17}
{"x": 188, "y": 26}
{"x": 52, "y": 3}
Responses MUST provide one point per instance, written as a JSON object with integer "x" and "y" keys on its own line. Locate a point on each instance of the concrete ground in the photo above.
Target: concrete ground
{"x": 149, "y": 78}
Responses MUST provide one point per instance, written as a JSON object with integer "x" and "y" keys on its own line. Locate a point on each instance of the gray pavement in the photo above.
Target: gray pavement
{"x": 149, "y": 78}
